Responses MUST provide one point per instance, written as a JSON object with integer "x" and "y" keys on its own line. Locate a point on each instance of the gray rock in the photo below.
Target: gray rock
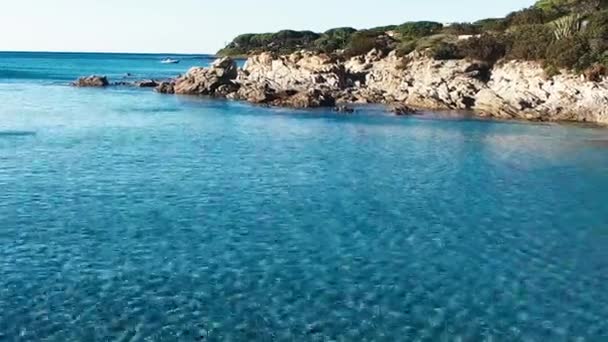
{"x": 305, "y": 99}
{"x": 92, "y": 81}
{"x": 205, "y": 81}
{"x": 401, "y": 109}
{"x": 146, "y": 84}
{"x": 255, "y": 93}
{"x": 343, "y": 109}
{"x": 165, "y": 88}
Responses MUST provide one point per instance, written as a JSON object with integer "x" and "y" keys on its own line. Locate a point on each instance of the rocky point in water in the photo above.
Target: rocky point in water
{"x": 514, "y": 89}
{"x": 92, "y": 81}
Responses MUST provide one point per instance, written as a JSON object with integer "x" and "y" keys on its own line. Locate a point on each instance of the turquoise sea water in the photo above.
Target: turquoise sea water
{"x": 127, "y": 215}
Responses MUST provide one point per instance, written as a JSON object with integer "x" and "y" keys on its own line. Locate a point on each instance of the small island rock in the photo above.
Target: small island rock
{"x": 92, "y": 81}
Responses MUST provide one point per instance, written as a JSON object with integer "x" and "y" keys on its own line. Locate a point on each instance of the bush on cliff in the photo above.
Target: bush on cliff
{"x": 285, "y": 41}
{"x": 597, "y": 30}
{"x": 529, "y": 42}
{"x": 487, "y": 47}
{"x": 363, "y": 42}
{"x": 460, "y": 29}
{"x": 334, "y": 39}
{"x": 492, "y": 24}
{"x": 570, "y": 53}
{"x": 406, "y": 47}
{"x": 417, "y": 29}
{"x": 444, "y": 51}
{"x": 528, "y": 16}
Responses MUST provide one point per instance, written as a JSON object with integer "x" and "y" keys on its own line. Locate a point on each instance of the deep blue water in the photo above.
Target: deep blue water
{"x": 127, "y": 215}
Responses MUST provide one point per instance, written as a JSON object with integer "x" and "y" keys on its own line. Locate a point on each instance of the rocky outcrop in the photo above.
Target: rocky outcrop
{"x": 521, "y": 90}
{"x": 514, "y": 90}
{"x": 207, "y": 81}
{"x": 510, "y": 90}
{"x": 165, "y": 88}
{"x": 417, "y": 80}
{"x": 298, "y": 71}
{"x": 265, "y": 94}
{"x": 92, "y": 81}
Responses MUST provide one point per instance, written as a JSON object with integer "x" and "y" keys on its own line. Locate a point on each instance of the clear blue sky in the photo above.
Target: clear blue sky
{"x": 203, "y": 26}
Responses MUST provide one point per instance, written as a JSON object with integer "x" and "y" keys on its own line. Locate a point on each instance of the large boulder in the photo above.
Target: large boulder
{"x": 165, "y": 88}
{"x": 254, "y": 93}
{"x": 299, "y": 71}
{"x": 521, "y": 90}
{"x": 206, "y": 81}
{"x": 92, "y": 81}
{"x": 265, "y": 94}
{"x": 146, "y": 84}
{"x": 401, "y": 109}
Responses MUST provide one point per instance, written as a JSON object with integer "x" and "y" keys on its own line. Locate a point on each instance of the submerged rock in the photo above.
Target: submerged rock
{"x": 146, "y": 84}
{"x": 343, "y": 109}
{"x": 305, "y": 99}
{"x": 401, "y": 109}
{"x": 92, "y": 81}
{"x": 122, "y": 84}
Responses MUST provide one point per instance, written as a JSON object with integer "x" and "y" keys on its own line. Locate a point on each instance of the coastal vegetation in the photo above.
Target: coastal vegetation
{"x": 562, "y": 34}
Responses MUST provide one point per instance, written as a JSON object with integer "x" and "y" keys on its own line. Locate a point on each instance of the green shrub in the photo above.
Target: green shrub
{"x": 551, "y": 5}
{"x": 285, "y": 41}
{"x": 567, "y": 26}
{"x": 598, "y": 25}
{"x": 463, "y": 29}
{"x": 551, "y": 70}
{"x": 406, "y": 47}
{"x": 487, "y": 47}
{"x": 492, "y": 24}
{"x": 433, "y": 41}
{"x": 528, "y": 16}
{"x": 445, "y": 51}
{"x": 334, "y": 39}
{"x": 570, "y": 53}
{"x": 529, "y": 42}
{"x": 558, "y": 8}
{"x": 417, "y": 29}
{"x": 363, "y": 42}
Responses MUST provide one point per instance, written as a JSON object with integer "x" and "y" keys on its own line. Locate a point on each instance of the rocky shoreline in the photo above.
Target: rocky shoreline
{"x": 506, "y": 90}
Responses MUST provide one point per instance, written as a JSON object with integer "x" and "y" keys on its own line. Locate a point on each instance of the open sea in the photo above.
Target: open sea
{"x": 127, "y": 215}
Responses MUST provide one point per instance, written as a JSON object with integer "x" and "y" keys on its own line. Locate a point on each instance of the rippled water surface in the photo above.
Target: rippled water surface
{"x": 127, "y": 215}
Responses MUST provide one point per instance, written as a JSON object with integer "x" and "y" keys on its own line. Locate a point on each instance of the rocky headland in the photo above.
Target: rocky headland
{"x": 548, "y": 62}
{"x": 506, "y": 90}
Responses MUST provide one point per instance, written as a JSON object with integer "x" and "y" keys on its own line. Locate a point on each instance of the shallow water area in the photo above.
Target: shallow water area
{"x": 130, "y": 215}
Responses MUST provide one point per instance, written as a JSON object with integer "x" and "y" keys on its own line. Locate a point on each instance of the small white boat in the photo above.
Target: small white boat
{"x": 169, "y": 61}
